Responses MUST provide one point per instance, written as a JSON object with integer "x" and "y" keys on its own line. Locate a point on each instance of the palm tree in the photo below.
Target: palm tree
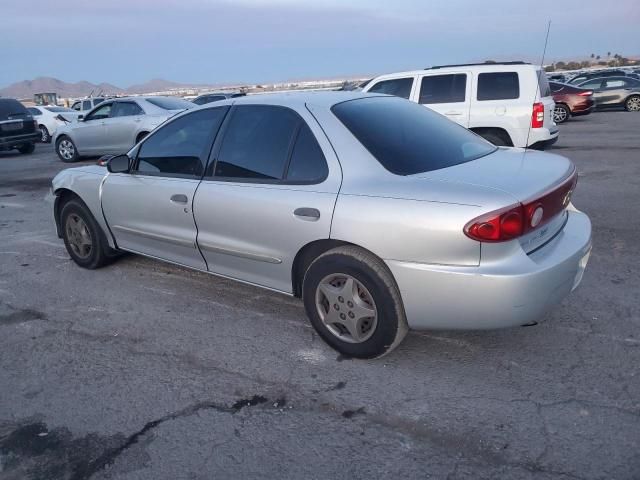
{"x": 608, "y": 55}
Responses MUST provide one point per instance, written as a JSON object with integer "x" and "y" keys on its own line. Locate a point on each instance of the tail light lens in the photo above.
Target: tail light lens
{"x": 537, "y": 117}
{"x": 516, "y": 220}
{"x": 586, "y": 93}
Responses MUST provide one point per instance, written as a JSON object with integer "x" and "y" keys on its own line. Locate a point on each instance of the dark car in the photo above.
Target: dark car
{"x": 18, "y": 129}
{"x": 615, "y": 92}
{"x": 216, "y": 97}
{"x": 570, "y": 101}
{"x": 583, "y": 77}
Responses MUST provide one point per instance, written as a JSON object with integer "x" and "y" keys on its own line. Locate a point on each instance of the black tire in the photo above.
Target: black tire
{"x": 632, "y": 104}
{"x": 495, "y": 138}
{"x": 563, "y": 114}
{"x": 67, "y": 158}
{"x": 27, "y": 148}
{"x": 45, "y": 137}
{"x": 373, "y": 274}
{"x": 99, "y": 254}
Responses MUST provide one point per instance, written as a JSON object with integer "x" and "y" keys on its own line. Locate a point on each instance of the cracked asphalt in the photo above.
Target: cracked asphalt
{"x": 143, "y": 370}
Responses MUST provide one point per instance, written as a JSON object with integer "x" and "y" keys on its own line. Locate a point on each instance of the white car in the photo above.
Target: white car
{"x": 509, "y": 104}
{"x": 50, "y": 118}
{"x": 114, "y": 126}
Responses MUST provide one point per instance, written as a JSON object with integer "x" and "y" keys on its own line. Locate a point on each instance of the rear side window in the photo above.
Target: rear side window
{"x": 257, "y": 143}
{"x": 556, "y": 87}
{"x": 614, "y": 83}
{"x": 591, "y": 83}
{"x": 307, "y": 164}
{"x": 399, "y": 87}
{"x": 498, "y": 86}
{"x": 126, "y": 109}
{"x": 181, "y": 147}
{"x": 443, "y": 88}
{"x": 407, "y": 138}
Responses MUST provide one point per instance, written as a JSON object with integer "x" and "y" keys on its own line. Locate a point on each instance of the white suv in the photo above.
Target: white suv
{"x": 509, "y": 104}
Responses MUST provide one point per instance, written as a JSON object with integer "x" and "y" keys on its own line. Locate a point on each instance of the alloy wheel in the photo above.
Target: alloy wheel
{"x": 633, "y": 104}
{"x": 66, "y": 149}
{"x": 346, "y": 307}
{"x": 44, "y": 134}
{"x": 78, "y": 236}
{"x": 559, "y": 114}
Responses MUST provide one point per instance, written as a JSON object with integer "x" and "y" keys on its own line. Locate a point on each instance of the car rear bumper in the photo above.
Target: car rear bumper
{"x": 514, "y": 291}
{"x": 16, "y": 140}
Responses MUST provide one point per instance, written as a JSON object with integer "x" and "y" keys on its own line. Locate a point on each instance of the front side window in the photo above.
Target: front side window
{"x": 181, "y": 147}
{"x": 498, "y": 86}
{"x": 407, "y": 138}
{"x": 399, "y": 87}
{"x": 100, "y": 113}
{"x": 126, "y": 109}
{"x": 443, "y": 88}
{"x": 257, "y": 142}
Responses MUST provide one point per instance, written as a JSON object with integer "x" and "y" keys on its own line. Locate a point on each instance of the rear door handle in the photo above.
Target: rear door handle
{"x": 179, "y": 198}
{"x": 453, "y": 113}
{"x": 308, "y": 214}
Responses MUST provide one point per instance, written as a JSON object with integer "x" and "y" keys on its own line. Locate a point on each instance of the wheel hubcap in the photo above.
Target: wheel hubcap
{"x": 66, "y": 149}
{"x": 78, "y": 236}
{"x": 346, "y": 308}
{"x": 633, "y": 104}
{"x": 559, "y": 114}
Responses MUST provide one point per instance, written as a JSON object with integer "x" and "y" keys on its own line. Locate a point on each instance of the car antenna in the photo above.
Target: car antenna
{"x": 540, "y": 73}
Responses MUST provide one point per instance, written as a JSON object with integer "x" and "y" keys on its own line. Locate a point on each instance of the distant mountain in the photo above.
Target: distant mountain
{"x": 27, "y": 88}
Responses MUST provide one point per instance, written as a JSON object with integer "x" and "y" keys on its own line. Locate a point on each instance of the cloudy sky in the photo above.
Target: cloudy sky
{"x": 215, "y": 41}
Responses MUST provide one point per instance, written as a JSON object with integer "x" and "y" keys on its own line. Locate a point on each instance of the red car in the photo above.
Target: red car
{"x": 570, "y": 101}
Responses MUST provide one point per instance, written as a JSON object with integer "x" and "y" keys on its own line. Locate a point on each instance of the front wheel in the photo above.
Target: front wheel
{"x": 27, "y": 148}
{"x": 83, "y": 237}
{"x": 353, "y": 303}
{"x": 633, "y": 103}
{"x": 66, "y": 149}
{"x": 561, "y": 113}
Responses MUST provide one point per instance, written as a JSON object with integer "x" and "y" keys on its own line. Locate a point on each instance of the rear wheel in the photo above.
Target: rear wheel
{"x": 633, "y": 103}
{"x": 27, "y": 148}
{"x": 66, "y": 149}
{"x": 83, "y": 237}
{"x": 496, "y": 138}
{"x": 353, "y": 303}
{"x": 44, "y": 134}
{"x": 561, "y": 113}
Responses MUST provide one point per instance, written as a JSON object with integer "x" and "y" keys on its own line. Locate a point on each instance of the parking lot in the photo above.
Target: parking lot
{"x": 143, "y": 370}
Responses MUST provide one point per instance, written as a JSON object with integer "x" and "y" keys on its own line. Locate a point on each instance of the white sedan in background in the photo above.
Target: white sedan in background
{"x": 50, "y": 118}
{"x": 116, "y": 125}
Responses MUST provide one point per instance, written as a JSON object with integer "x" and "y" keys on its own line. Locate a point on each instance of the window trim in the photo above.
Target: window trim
{"x": 215, "y": 151}
{"x": 136, "y": 160}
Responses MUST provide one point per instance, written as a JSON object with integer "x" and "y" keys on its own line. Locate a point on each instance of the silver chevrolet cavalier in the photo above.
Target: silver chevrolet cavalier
{"x": 381, "y": 215}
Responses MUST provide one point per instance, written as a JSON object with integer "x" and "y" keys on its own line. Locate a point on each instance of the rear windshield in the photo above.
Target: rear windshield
{"x": 12, "y": 108}
{"x": 407, "y": 138}
{"x": 170, "y": 103}
{"x": 58, "y": 109}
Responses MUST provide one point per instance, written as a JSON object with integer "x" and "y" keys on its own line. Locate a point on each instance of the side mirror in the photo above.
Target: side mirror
{"x": 119, "y": 164}
{"x": 81, "y": 118}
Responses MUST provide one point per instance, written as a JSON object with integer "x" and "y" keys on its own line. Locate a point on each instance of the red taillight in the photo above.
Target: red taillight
{"x": 516, "y": 220}
{"x": 537, "y": 117}
{"x": 586, "y": 93}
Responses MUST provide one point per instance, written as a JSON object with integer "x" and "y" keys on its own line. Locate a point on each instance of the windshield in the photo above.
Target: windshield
{"x": 58, "y": 109}
{"x": 168, "y": 103}
{"x": 407, "y": 138}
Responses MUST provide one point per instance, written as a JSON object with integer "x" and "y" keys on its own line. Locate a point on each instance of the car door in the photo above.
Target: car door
{"x": 270, "y": 189}
{"x": 122, "y": 126}
{"x": 89, "y": 134}
{"x": 447, "y": 94}
{"x": 150, "y": 209}
{"x": 613, "y": 91}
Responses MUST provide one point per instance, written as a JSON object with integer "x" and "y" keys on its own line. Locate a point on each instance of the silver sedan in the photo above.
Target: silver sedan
{"x": 114, "y": 126}
{"x": 381, "y": 215}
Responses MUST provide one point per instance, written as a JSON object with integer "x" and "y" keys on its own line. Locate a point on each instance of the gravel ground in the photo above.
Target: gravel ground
{"x": 143, "y": 370}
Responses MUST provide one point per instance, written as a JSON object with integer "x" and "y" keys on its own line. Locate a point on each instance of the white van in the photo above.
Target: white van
{"x": 509, "y": 104}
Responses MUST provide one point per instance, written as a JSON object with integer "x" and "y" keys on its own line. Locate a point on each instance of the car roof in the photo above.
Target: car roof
{"x": 318, "y": 98}
{"x": 498, "y": 67}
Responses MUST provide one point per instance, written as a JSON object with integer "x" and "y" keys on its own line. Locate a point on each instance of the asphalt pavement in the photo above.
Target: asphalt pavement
{"x": 144, "y": 370}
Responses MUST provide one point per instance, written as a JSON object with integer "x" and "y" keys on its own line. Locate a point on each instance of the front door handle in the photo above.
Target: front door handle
{"x": 179, "y": 198}
{"x": 308, "y": 214}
